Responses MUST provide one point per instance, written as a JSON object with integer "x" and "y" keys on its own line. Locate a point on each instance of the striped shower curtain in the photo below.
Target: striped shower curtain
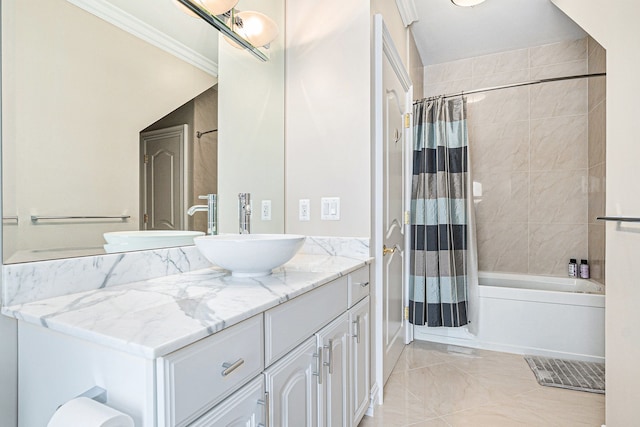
{"x": 439, "y": 214}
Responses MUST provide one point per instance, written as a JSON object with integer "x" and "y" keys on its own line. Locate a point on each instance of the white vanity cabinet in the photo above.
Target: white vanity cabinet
{"x": 333, "y": 342}
{"x": 292, "y": 387}
{"x": 245, "y": 408}
{"x": 304, "y": 362}
{"x": 195, "y": 378}
{"x": 359, "y": 359}
{"x": 325, "y": 381}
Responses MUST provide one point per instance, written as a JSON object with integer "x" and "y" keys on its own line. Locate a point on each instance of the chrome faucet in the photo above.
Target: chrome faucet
{"x": 244, "y": 209}
{"x": 212, "y": 212}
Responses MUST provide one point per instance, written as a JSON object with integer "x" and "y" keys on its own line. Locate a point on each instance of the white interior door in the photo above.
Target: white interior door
{"x": 164, "y": 184}
{"x": 393, "y": 92}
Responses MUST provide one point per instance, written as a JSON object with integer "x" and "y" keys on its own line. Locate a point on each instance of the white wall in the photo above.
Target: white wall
{"x": 77, "y": 93}
{"x": 252, "y": 151}
{"x": 328, "y": 114}
{"x": 614, "y": 24}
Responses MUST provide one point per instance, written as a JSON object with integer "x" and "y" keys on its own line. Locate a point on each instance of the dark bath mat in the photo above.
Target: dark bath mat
{"x": 570, "y": 374}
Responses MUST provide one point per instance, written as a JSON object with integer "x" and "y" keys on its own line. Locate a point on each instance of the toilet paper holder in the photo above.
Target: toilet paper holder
{"x": 96, "y": 393}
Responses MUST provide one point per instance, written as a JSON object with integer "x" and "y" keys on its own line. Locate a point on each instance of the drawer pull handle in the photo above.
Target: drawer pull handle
{"x": 230, "y": 367}
{"x": 363, "y": 284}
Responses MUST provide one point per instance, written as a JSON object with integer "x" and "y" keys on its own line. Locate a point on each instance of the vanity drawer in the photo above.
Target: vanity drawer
{"x": 289, "y": 324}
{"x": 358, "y": 285}
{"x": 195, "y": 378}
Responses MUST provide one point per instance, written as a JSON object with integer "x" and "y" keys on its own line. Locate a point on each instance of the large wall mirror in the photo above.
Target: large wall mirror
{"x": 87, "y": 100}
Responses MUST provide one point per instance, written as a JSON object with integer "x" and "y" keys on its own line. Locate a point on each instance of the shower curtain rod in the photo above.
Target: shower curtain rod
{"x": 532, "y": 82}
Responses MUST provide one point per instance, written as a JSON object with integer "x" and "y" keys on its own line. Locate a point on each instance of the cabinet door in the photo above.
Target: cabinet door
{"x": 244, "y": 408}
{"x": 292, "y": 386}
{"x": 334, "y": 392}
{"x": 360, "y": 360}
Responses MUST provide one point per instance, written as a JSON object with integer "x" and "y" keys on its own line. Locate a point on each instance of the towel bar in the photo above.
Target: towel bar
{"x": 36, "y": 218}
{"x": 618, "y": 218}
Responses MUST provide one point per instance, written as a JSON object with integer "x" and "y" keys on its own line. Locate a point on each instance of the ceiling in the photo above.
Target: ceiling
{"x": 445, "y": 32}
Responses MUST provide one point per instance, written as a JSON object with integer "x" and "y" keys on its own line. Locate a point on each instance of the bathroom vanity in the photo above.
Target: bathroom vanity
{"x": 203, "y": 348}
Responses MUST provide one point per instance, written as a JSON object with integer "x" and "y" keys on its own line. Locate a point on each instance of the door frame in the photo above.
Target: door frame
{"x": 183, "y": 132}
{"x": 384, "y": 46}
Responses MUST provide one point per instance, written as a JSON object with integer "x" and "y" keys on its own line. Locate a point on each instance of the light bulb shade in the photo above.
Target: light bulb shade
{"x": 257, "y": 28}
{"x": 466, "y": 3}
{"x": 185, "y": 9}
{"x": 218, "y": 7}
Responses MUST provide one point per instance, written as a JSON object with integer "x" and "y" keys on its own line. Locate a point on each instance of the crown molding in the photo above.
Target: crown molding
{"x": 129, "y": 23}
{"x": 408, "y": 11}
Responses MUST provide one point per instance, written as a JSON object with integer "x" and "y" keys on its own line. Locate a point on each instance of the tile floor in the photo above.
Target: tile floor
{"x": 435, "y": 385}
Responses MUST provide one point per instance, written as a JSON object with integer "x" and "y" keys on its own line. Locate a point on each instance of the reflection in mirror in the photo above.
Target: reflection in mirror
{"x": 81, "y": 96}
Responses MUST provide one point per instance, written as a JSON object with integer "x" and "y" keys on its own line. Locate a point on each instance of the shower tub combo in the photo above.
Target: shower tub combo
{"x": 528, "y": 314}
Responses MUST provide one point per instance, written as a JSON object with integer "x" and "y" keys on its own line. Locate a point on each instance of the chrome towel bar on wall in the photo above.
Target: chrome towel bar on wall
{"x": 36, "y": 218}
{"x": 618, "y": 218}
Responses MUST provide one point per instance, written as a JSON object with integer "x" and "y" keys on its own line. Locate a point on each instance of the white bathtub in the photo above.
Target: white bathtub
{"x": 528, "y": 314}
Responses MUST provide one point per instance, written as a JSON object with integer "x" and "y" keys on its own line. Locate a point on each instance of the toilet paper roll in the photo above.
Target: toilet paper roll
{"x": 86, "y": 412}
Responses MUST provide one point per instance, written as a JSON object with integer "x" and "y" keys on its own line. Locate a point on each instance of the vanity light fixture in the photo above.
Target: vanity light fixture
{"x": 219, "y": 7}
{"x": 255, "y": 27}
{"x": 466, "y": 3}
{"x": 214, "y": 7}
{"x": 197, "y": 7}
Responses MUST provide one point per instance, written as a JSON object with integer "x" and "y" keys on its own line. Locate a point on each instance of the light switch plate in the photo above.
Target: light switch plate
{"x": 330, "y": 208}
{"x": 304, "y": 210}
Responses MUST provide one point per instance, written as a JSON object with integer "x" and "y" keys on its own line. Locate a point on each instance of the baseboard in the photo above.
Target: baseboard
{"x": 373, "y": 399}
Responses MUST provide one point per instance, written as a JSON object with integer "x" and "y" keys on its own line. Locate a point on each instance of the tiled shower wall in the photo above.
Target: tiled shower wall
{"x": 529, "y": 155}
{"x": 597, "y": 152}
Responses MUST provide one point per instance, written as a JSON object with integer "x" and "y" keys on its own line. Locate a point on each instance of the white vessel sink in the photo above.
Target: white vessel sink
{"x": 249, "y": 255}
{"x": 122, "y": 241}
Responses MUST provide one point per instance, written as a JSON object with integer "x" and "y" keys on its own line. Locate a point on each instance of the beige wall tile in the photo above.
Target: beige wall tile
{"x": 499, "y": 146}
{"x": 454, "y": 70}
{"x": 513, "y": 60}
{"x": 508, "y": 105}
{"x": 556, "y": 53}
{"x": 446, "y": 88}
{"x": 551, "y": 246}
{"x": 597, "y": 57}
{"x": 499, "y": 79}
{"x": 597, "y": 189}
{"x": 558, "y": 197}
{"x": 597, "y": 245}
{"x": 531, "y": 149}
{"x": 597, "y": 135}
{"x": 565, "y": 98}
{"x": 597, "y": 91}
{"x": 504, "y": 197}
{"x": 559, "y": 143}
{"x": 563, "y": 69}
{"x": 503, "y": 247}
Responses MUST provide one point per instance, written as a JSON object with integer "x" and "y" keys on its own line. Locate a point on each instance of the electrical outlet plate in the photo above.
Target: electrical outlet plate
{"x": 304, "y": 210}
{"x": 265, "y": 212}
{"x": 330, "y": 208}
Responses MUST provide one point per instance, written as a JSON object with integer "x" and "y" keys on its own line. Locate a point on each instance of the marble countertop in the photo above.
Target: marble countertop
{"x": 152, "y": 318}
